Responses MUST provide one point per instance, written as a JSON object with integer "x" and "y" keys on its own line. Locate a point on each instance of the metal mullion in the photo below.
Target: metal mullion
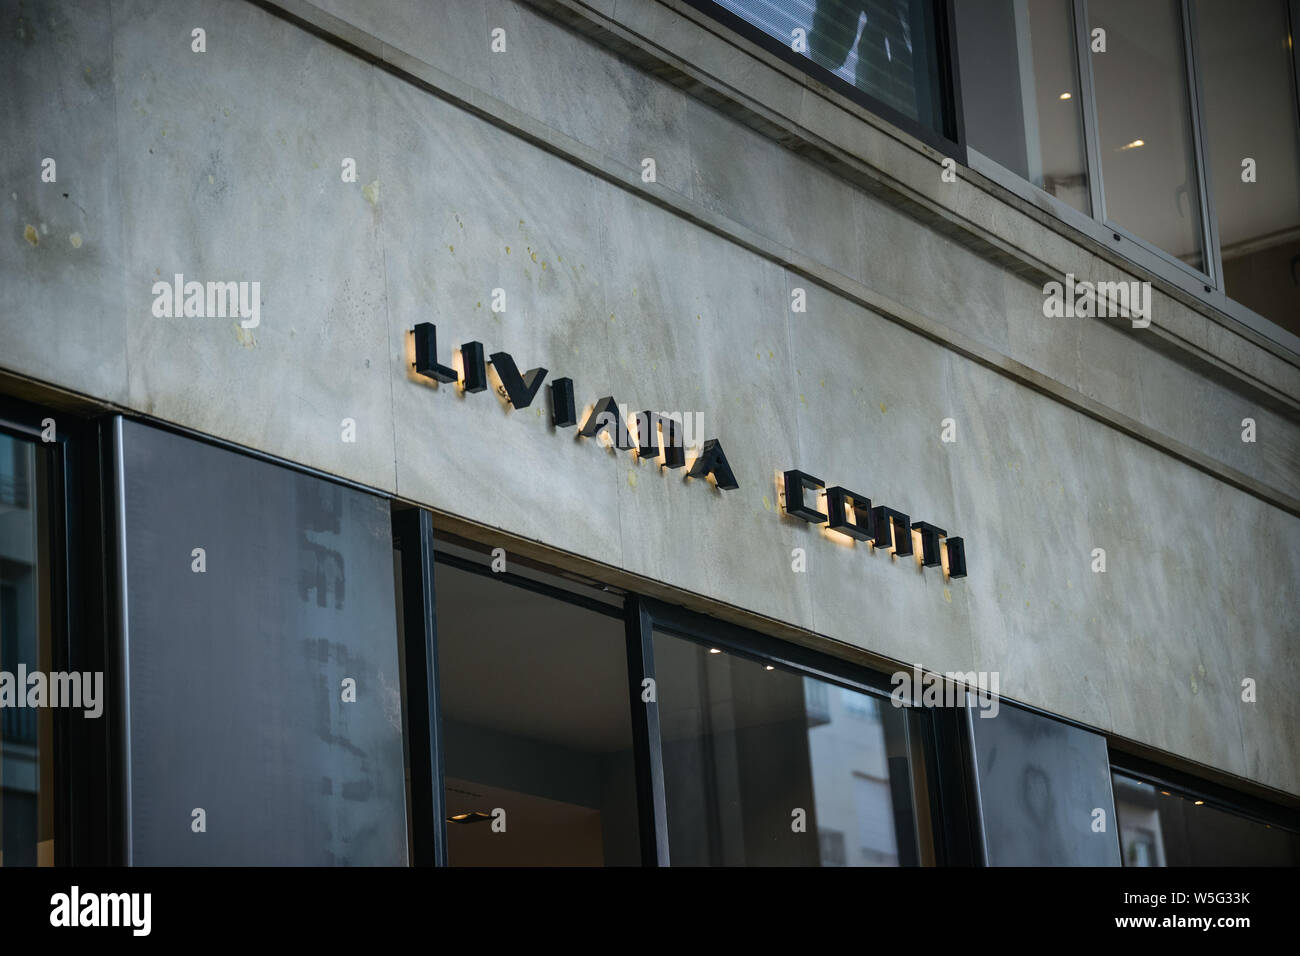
{"x": 647, "y": 744}
{"x": 428, "y": 817}
{"x": 1200, "y": 150}
{"x": 1293, "y": 22}
{"x": 950, "y": 76}
{"x": 1091, "y": 129}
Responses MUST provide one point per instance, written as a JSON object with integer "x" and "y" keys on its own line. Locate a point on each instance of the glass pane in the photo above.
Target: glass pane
{"x": 1144, "y": 125}
{"x": 536, "y": 724}
{"x": 26, "y": 757}
{"x": 886, "y": 48}
{"x": 264, "y": 684}
{"x": 1244, "y": 49}
{"x": 1159, "y": 827}
{"x": 1020, "y": 92}
{"x": 764, "y": 767}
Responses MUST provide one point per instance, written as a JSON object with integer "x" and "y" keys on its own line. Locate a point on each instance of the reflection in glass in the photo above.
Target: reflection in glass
{"x": 1144, "y": 125}
{"x": 26, "y": 764}
{"x": 536, "y": 723}
{"x": 1160, "y": 827}
{"x": 1020, "y": 93}
{"x": 1250, "y": 114}
{"x": 886, "y": 48}
{"x": 766, "y": 767}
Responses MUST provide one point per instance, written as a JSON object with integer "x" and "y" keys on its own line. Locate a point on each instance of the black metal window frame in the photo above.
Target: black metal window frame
{"x": 91, "y": 803}
{"x": 89, "y": 797}
{"x": 943, "y": 743}
{"x": 944, "y": 738}
{"x": 420, "y": 548}
{"x": 950, "y": 140}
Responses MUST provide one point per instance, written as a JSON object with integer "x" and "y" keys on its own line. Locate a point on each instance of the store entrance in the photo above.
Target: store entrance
{"x": 536, "y": 724}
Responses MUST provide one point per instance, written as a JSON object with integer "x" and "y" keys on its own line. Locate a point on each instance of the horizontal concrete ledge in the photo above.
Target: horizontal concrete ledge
{"x": 506, "y": 117}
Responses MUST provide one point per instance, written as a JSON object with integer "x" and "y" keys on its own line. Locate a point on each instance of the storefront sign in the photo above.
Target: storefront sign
{"x": 884, "y": 527}
{"x": 661, "y": 434}
{"x": 605, "y": 416}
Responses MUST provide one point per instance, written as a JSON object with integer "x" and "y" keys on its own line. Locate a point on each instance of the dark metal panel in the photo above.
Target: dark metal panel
{"x": 235, "y": 674}
{"x": 1038, "y": 782}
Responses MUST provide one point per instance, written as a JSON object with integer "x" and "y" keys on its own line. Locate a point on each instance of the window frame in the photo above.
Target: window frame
{"x": 1237, "y": 802}
{"x": 951, "y": 832}
{"x": 89, "y": 799}
{"x": 1205, "y": 285}
{"x": 950, "y": 140}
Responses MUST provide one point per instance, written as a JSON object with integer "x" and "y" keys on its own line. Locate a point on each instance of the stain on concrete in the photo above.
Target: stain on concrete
{"x": 75, "y": 239}
{"x": 371, "y": 191}
{"x": 30, "y": 235}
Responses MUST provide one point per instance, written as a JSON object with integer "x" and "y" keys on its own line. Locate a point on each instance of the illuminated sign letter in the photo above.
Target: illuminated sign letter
{"x": 713, "y": 461}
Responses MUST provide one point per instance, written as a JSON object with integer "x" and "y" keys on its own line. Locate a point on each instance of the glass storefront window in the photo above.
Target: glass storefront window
{"x": 1253, "y": 135}
{"x": 1021, "y": 94}
{"x": 26, "y": 733}
{"x": 1159, "y": 826}
{"x": 763, "y": 766}
{"x": 536, "y": 727}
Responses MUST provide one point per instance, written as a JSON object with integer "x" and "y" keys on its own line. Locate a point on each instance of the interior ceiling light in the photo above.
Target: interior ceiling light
{"x": 1065, "y": 96}
{"x": 1133, "y": 145}
{"x": 469, "y": 816}
{"x": 714, "y": 650}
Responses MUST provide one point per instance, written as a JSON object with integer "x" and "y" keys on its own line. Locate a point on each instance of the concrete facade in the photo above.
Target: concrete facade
{"x": 522, "y": 171}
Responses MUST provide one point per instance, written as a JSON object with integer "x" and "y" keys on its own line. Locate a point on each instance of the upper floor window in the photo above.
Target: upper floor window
{"x": 1021, "y": 93}
{"x": 890, "y": 54}
{"x": 1170, "y": 123}
{"x": 1252, "y": 128}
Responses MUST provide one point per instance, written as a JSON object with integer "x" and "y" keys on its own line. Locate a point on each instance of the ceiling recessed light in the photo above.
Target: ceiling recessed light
{"x": 714, "y": 650}
{"x": 1198, "y": 802}
{"x": 1133, "y": 145}
{"x": 769, "y": 668}
{"x": 1065, "y": 96}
